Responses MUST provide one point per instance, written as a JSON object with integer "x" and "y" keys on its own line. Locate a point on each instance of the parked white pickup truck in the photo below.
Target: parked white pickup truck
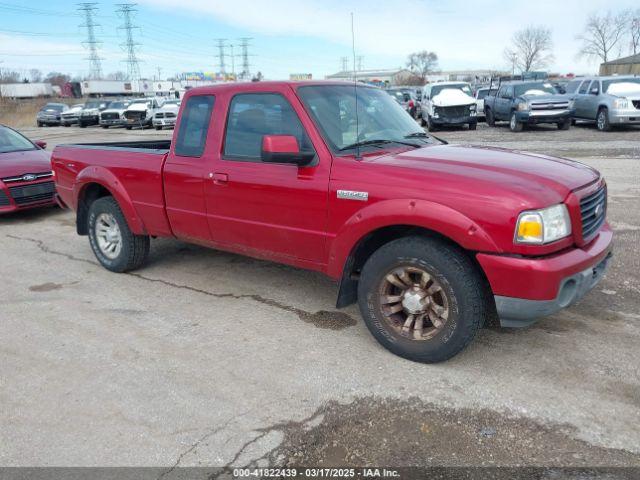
{"x": 140, "y": 113}
{"x": 448, "y": 103}
{"x": 167, "y": 114}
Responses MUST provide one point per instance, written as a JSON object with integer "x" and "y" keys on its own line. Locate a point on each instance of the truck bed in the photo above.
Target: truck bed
{"x": 131, "y": 170}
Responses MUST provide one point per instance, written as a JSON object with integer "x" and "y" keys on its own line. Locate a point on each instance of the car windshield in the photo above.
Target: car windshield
{"x": 118, "y": 105}
{"x": 534, "y": 88}
{"x": 401, "y": 95}
{"x": 53, "y": 106}
{"x": 12, "y": 141}
{"x": 380, "y": 119}
{"x": 621, "y": 86}
{"x": 93, "y": 105}
{"x": 436, "y": 89}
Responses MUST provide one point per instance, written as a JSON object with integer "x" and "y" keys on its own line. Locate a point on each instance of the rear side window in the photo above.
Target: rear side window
{"x": 572, "y": 86}
{"x": 254, "y": 115}
{"x": 584, "y": 87}
{"x": 194, "y": 125}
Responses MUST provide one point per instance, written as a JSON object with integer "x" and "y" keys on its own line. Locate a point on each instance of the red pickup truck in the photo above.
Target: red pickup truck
{"x": 432, "y": 240}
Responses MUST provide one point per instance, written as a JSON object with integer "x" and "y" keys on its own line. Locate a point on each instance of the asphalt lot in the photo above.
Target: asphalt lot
{"x": 208, "y": 358}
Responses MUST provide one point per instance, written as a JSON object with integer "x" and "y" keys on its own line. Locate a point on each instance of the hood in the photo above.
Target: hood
{"x": 169, "y": 108}
{"x": 114, "y": 110}
{"x": 19, "y": 163}
{"x": 533, "y": 178}
{"x": 451, "y": 97}
{"x": 138, "y": 107}
{"x": 625, "y": 89}
{"x": 546, "y": 97}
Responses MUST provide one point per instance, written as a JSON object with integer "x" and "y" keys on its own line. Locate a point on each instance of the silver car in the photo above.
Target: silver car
{"x": 607, "y": 101}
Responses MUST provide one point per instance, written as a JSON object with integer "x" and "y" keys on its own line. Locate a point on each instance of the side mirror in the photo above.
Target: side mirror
{"x": 41, "y": 144}
{"x": 284, "y": 149}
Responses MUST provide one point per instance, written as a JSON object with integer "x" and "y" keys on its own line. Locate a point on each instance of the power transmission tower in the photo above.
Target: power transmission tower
{"x": 359, "y": 61}
{"x": 126, "y": 11}
{"x": 344, "y": 62}
{"x": 244, "y": 45}
{"x": 221, "y": 55}
{"x": 89, "y": 9}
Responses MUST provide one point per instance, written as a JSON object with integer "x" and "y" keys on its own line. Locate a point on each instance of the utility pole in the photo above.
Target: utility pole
{"x": 244, "y": 45}
{"x": 159, "y": 73}
{"x": 233, "y": 62}
{"x": 126, "y": 11}
{"x": 221, "y": 55}
{"x": 89, "y": 9}
{"x": 344, "y": 62}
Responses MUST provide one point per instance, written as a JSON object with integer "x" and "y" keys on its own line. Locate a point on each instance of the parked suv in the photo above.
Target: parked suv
{"x": 448, "y": 103}
{"x": 140, "y": 113}
{"x": 90, "y": 114}
{"x": 609, "y": 101}
{"x": 166, "y": 115}
{"x": 50, "y": 114}
{"x": 526, "y": 103}
{"x": 114, "y": 115}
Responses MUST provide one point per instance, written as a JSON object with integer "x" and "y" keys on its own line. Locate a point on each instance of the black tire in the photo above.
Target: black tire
{"x": 573, "y": 122}
{"x": 473, "y": 126}
{"x": 66, "y": 124}
{"x": 40, "y": 124}
{"x": 423, "y": 121}
{"x": 128, "y": 127}
{"x": 460, "y": 280}
{"x": 82, "y": 125}
{"x": 135, "y": 248}
{"x": 514, "y": 124}
{"x": 430, "y": 126}
{"x": 158, "y": 128}
{"x": 104, "y": 126}
{"x": 564, "y": 125}
{"x": 603, "y": 124}
{"x": 489, "y": 118}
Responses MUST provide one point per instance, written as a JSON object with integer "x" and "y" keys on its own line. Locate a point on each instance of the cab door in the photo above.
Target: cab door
{"x": 267, "y": 209}
{"x": 186, "y": 171}
{"x": 581, "y": 100}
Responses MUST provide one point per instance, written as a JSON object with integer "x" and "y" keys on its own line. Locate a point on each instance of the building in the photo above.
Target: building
{"x": 622, "y": 66}
{"x": 394, "y": 76}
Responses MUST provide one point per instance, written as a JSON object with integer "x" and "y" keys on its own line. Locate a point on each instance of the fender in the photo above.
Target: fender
{"x": 108, "y": 180}
{"x": 419, "y": 213}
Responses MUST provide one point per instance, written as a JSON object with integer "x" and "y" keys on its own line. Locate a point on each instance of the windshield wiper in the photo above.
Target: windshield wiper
{"x": 377, "y": 142}
{"x": 425, "y": 135}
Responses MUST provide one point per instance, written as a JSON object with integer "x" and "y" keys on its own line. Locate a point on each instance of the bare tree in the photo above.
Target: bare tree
{"x": 530, "y": 48}
{"x": 9, "y": 76}
{"x": 422, "y": 63}
{"x": 634, "y": 32}
{"x": 602, "y": 34}
{"x": 35, "y": 75}
{"x": 57, "y": 78}
{"x": 117, "y": 76}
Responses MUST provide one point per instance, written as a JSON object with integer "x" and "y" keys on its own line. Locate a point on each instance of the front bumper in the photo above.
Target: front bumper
{"x": 441, "y": 120}
{"x": 544, "y": 116}
{"x": 527, "y": 288}
{"x": 49, "y": 121}
{"x": 112, "y": 122}
{"x": 89, "y": 120}
{"x": 68, "y": 120}
{"x": 23, "y": 196}
{"x": 164, "y": 122}
{"x": 624, "y": 117}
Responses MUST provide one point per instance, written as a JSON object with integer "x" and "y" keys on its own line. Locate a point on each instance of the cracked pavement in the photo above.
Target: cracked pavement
{"x": 204, "y": 358}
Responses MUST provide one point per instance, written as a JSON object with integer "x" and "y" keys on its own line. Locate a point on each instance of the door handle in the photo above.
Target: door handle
{"x": 219, "y": 178}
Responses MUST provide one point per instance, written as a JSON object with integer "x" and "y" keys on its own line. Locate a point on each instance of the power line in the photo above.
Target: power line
{"x": 126, "y": 11}
{"x": 89, "y": 9}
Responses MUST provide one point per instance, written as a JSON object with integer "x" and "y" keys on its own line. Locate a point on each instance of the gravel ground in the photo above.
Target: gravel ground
{"x": 208, "y": 358}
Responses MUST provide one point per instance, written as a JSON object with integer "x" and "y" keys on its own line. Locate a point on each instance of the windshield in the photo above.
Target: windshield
{"x": 118, "y": 105}
{"x": 380, "y": 117}
{"x": 400, "y": 95}
{"x": 436, "y": 89}
{"x": 12, "y": 141}
{"x": 53, "y": 106}
{"x": 94, "y": 105}
{"x": 620, "y": 86}
{"x": 482, "y": 93}
{"x": 534, "y": 88}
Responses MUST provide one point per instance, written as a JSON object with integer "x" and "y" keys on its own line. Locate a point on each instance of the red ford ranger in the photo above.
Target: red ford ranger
{"x": 432, "y": 240}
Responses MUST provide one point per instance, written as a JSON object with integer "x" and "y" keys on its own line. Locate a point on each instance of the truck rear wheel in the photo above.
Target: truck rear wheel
{"x": 114, "y": 245}
{"x": 422, "y": 299}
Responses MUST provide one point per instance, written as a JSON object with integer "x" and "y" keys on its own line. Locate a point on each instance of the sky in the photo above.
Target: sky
{"x": 292, "y": 36}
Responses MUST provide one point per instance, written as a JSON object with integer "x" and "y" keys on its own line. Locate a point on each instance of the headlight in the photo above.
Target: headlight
{"x": 621, "y": 103}
{"x": 523, "y": 106}
{"x": 543, "y": 226}
{"x": 473, "y": 107}
{"x": 571, "y": 104}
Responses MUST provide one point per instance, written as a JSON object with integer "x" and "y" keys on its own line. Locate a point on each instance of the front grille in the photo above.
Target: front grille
{"x": 135, "y": 115}
{"x": 636, "y": 103}
{"x": 453, "y": 112}
{"x": 110, "y": 116}
{"x": 550, "y": 106}
{"x": 593, "y": 209}
{"x": 160, "y": 115}
{"x": 20, "y": 178}
{"x": 171, "y": 115}
{"x": 4, "y": 200}
{"x": 33, "y": 193}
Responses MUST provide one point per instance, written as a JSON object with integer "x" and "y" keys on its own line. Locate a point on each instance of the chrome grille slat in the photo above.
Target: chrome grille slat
{"x": 18, "y": 178}
{"x": 4, "y": 200}
{"x": 588, "y": 205}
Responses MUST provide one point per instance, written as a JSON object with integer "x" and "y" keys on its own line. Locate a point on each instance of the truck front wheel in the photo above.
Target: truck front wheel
{"x": 114, "y": 245}
{"x": 422, "y": 298}
{"x": 489, "y": 118}
{"x": 514, "y": 124}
